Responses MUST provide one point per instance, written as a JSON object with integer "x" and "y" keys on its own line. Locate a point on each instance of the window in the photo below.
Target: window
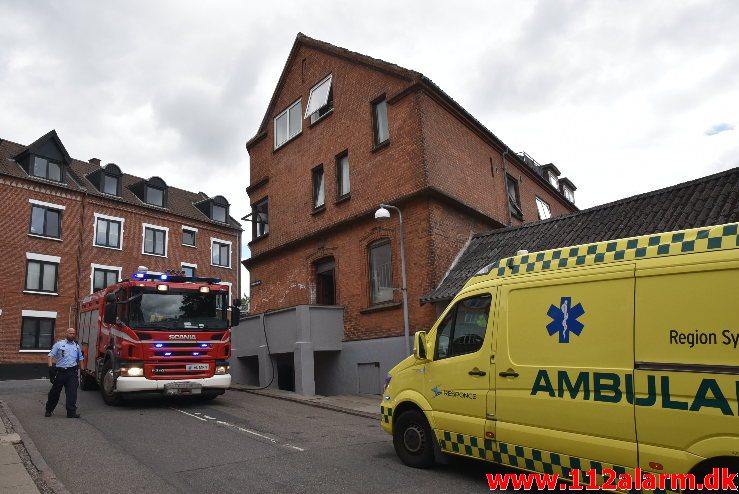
{"x": 260, "y": 218}
{"x": 543, "y": 208}
{"x": 41, "y": 275}
{"x": 320, "y": 101}
{"x": 514, "y": 201}
{"x": 108, "y": 231}
{"x": 219, "y": 213}
{"x": 45, "y": 221}
{"x": 37, "y": 333}
{"x": 44, "y": 168}
{"x": 463, "y": 329}
{"x": 188, "y": 236}
{"x": 381, "y": 272}
{"x": 553, "y": 180}
{"x": 155, "y": 240}
{"x": 288, "y": 124}
{"x": 220, "y": 253}
{"x": 154, "y": 196}
{"x": 379, "y": 113}
{"x": 189, "y": 269}
{"x": 569, "y": 195}
{"x": 319, "y": 192}
{"x": 110, "y": 184}
{"x": 104, "y": 276}
{"x": 342, "y": 175}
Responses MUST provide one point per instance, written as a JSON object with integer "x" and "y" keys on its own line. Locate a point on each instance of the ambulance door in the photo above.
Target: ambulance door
{"x": 457, "y": 378}
{"x": 687, "y": 359}
{"x": 565, "y": 350}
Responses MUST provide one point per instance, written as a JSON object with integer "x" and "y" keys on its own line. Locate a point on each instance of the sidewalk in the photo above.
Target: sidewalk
{"x": 361, "y": 405}
{"x": 13, "y": 474}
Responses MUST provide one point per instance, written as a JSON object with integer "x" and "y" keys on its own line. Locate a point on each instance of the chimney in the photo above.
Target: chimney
{"x": 94, "y": 161}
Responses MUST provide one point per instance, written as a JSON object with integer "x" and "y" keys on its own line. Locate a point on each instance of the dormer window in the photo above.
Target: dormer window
{"x": 320, "y": 101}
{"x": 110, "y": 184}
{"x": 154, "y": 196}
{"x": 553, "y": 179}
{"x": 44, "y": 168}
{"x": 569, "y": 194}
{"x": 219, "y": 213}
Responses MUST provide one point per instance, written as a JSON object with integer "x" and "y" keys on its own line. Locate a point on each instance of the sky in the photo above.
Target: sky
{"x": 622, "y": 96}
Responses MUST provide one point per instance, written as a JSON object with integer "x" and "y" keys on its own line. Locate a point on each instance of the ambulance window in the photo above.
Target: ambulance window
{"x": 463, "y": 330}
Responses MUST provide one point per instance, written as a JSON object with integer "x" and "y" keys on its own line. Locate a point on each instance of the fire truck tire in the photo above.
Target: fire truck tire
{"x": 110, "y": 397}
{"x": 87, "y": 383}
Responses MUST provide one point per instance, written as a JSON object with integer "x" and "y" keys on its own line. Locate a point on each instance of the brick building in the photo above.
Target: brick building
{"x": 68, "y": 228}
{"x": 342, "y": 134}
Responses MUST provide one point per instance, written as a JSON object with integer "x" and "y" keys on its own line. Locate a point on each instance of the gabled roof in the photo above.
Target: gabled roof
{"x": 49, "y": 136}
{"x": 180, "y": 202}
{"x": 707, "y": 201}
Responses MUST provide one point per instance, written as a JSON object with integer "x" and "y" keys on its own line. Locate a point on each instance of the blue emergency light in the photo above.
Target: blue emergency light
{"x": 176, "y": 278}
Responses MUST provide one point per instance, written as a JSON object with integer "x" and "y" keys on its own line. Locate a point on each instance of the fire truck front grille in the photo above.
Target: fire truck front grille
{"x": 178, "y": 370}
{"x": 188, "y": 353}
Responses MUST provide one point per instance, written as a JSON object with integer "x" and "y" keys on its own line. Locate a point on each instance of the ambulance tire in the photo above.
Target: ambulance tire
{"x": 110, "y": 397}
{"x": 412, "y": 439}
{"x": 87, "y": 383}
{"x": 707, "y": 467}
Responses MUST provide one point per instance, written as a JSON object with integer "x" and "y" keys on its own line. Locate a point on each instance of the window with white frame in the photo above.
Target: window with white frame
{"x": 319, "y": 189}
{"x": 342, "y": 175}
{"x": 46, "y": 219}
{"x": 379, "y": 120}
{"x": 220, "y": 253}
{"x": 553, "y": 179}
{"x": 188, "y": 236}
{"x": 42, "y": 273}
{"x": 104, "y": 276}
{"x": 320, "y": 100}
{"x": 189, "y": 269}
{"x": 569, "y": 195}
{"x": 260, "y": 218}
{"x": 108, "y": 231}
{"x": 37, "y": 330}
{"x": 155, "y": 240}
{"x": 288, "y": 124}
{"x": 543, "y": 208}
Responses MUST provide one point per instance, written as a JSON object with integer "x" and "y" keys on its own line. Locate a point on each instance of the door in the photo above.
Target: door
{"x": 326, "y": 282}
{"x": 566, "y": 354}
{"x": 457, "y": 380}
{"x": 369, "y": 378}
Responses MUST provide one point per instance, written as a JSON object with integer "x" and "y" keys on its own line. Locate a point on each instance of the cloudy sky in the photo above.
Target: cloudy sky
{"x": 623, "y": 96}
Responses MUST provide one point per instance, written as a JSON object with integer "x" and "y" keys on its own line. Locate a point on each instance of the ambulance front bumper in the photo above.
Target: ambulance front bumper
{"x": 133, "y": 384}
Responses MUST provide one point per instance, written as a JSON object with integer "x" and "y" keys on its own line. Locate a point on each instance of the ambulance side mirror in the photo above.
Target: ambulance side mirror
{"x": 419, "y": 346}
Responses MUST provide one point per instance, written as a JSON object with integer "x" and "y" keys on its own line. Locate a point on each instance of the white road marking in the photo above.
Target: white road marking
{"x": 293, "y": 447}
{"x": 257, "y": 434}
{"x": 191, "y": 415}
{"x": 209, "y": 417}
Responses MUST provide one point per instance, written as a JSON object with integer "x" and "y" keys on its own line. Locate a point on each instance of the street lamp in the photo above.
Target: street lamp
{"x": 383, "y": 214}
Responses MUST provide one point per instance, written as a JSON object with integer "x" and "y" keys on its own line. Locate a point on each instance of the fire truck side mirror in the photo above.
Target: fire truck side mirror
{"x": 110, "y": 309}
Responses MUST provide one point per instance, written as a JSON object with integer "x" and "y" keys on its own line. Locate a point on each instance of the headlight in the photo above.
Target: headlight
{"x": 387, "y": 380}
{"x": 222, "y": 369}
{"x": 132, "y": 371}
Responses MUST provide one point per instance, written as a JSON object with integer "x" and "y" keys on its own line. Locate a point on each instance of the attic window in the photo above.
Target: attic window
{"x": 320, "y": 101}
{"x": 569, "y": 194}
{"x": 43, "y": 168}
{"x": 110, "y": 184}
{"x": 218, "y": 213}
{"x": 553, "y": 179}
{"x": 288, "y": 124}
{"x": 154, "y": 196}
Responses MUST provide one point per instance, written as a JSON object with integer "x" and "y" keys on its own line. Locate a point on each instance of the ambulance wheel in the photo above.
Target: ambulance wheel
{"x": 412, "y": 439}
{"x": 700, "y": 472}
{"x": 110, "y": 397}
{"x": 87, "y": 383}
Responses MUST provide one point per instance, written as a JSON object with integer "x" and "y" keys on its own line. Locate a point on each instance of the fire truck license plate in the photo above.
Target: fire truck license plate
{"x": 183, "y": 388}
{"x": 195, "y": 367}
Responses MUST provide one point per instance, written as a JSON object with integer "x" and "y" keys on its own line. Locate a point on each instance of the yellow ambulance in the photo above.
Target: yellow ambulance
{"x": 621, "y": 354}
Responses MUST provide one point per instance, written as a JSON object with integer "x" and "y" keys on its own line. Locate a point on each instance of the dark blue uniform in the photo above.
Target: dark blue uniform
{"x": 68, "y": 355}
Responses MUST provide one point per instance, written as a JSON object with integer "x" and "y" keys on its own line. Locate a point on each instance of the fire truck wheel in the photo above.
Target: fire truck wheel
{"x": 110, "y": 397}
{"x": 87, "y": 383}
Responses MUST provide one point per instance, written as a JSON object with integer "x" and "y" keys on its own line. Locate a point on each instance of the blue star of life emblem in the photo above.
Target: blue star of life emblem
{"x": 436, "y": 391}
{"x": 564, "y": 319}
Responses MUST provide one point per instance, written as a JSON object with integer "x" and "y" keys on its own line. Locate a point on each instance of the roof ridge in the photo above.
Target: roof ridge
{"x": 624, "y": 200}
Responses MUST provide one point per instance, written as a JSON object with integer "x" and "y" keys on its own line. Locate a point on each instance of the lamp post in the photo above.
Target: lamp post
{"x": 383, "y": 214}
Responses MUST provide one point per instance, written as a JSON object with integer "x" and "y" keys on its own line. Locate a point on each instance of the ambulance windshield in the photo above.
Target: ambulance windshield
{"x": 184, "y": 310}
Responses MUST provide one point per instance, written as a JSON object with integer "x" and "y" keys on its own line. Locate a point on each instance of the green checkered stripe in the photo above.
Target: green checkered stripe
{"x": 532, "y": 459}
{"x": 627, "y": 249}
{"x": 387, "y": 414}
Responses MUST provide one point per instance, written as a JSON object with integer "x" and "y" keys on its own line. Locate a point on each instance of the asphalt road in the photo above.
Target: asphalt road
{"x": 240, "y": 442}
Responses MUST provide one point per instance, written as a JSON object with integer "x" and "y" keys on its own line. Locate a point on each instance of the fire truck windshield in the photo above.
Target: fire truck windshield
{"x": 184, "y": 310}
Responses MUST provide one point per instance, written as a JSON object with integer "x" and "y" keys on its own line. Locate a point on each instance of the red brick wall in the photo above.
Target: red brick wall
{"x": 15, "y": 242}
{"x": 387, "y": 173}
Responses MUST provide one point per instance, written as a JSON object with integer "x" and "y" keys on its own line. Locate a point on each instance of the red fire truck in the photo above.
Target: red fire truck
{"x": 161, "y": 333}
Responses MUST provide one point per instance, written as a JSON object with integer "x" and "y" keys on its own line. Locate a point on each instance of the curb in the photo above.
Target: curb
{"x": 47, "y": 475}
{"x": 335, "y": 408}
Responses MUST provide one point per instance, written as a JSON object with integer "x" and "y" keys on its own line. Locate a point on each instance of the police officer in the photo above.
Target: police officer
{"x": 68, "y": 355}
